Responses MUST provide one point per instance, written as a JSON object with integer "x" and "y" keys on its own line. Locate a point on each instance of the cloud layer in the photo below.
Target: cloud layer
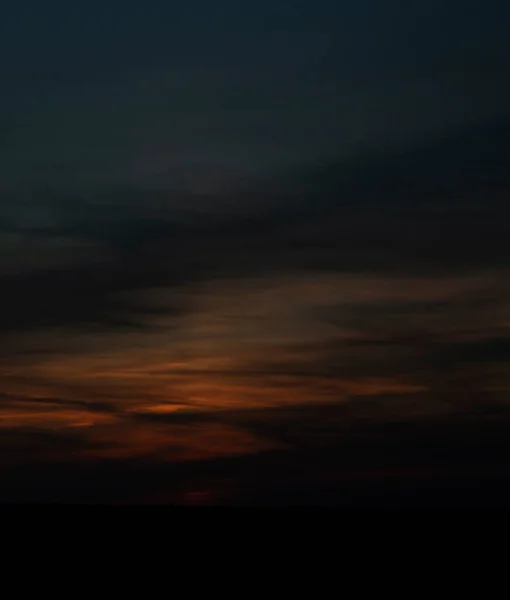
{"x": 147, "y": 325}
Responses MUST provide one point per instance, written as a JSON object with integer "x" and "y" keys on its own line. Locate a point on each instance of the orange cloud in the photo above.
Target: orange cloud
{"x": 176, "y": 442}
{"x": 41, "y": 414}
{"x": 255, "y": 344}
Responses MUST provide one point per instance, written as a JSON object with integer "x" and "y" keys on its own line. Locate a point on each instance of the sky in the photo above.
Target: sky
{"x": 253, "y": 252}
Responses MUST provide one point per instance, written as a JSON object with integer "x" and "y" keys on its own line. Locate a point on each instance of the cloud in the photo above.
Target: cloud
{"x": 269, "y": 262}
{"x": 167, "y": 324}
{"x": 93, "y": 429}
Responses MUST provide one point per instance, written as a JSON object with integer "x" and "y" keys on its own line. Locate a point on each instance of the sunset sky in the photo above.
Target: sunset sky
{"x": 247, "y": 246}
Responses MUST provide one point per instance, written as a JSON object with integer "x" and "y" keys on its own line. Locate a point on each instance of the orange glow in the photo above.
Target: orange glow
{"x": 249, "y": 345}
{"x": 177, "y": 442}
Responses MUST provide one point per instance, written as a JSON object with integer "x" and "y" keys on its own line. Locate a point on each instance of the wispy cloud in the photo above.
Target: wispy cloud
{"x": 136, "y": 329}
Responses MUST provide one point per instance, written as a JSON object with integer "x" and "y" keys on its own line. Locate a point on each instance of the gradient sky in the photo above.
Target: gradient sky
{"x": 235, "y": 231}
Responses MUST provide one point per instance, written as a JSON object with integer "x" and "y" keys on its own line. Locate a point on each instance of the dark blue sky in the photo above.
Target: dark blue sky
{"x": 142, "y": 91}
